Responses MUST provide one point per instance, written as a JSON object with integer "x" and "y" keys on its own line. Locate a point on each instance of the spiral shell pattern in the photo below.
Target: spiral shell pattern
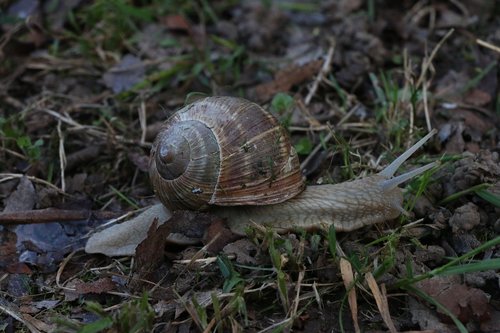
{"x": 223, "y": 151}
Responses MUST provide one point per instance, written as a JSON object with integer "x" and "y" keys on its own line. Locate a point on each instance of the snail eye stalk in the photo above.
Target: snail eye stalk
{"x": 391, "y": 169}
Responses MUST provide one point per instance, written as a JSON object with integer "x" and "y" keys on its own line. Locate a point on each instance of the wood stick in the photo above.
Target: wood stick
{"x": 54, "y": 215}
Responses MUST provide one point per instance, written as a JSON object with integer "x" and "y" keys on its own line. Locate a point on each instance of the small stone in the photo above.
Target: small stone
{"x": 465, "y": 218}
{"x": 431, "y": 254}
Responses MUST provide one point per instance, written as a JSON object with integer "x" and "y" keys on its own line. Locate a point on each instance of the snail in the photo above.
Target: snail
{"x": 231, "y": 156}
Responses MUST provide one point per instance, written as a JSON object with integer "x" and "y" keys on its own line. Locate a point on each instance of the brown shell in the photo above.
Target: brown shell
{"x": 238, "y": 155}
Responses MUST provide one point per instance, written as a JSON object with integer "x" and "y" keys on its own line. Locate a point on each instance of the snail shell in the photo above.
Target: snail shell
{"x": 223, "y": 151}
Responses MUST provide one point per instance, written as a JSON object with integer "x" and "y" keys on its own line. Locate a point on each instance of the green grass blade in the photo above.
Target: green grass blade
{"x": 489, "y": 196}
{"x": 97, "y": 326}
{"x": 473, "y": 189}
{"x": 483, "y": 265}
{"x": 475, "y": 81}
{"x": 453, "y": 264}
{"x": 124, "y": 197}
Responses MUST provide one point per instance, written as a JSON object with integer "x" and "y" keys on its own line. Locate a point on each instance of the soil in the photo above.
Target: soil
{"x": 86, "y": 85}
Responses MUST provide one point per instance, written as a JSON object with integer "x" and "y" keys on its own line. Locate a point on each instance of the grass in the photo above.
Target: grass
{"x": 224, "y": 312}
{"x": 417, "y": 187}
{"x": 481, "y": 73}
{"x": 14, "y": 136}
{"x": 111, "y": 21}
{"x": 115, "y": 25}
{"x": 393, "y": 105}
{"x": 455, "y": 266}
{"x": 135, "y": 316}
{"x": 480, "y": 190}
{"x": 282, "y": 106}
{"x": 124, "y": 198}
{"x": 296, "y": 274}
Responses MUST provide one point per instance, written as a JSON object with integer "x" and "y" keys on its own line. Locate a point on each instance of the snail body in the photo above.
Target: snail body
{"x": 348, "y": 205}
{"x": 232, "y": 156}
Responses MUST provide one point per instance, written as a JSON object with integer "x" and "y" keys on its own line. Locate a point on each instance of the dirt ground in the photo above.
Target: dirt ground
{"x": 86, "y": 85}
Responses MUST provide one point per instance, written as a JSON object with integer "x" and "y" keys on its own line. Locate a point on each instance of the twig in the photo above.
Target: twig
{"x": 82, "y": 156}
{"x": 324, "y": 70}
{"x": 15, "y": 153}
{"x": 8, "y": 35}
{"x": 53, "y": 215}
{"x": 422, "y": 80}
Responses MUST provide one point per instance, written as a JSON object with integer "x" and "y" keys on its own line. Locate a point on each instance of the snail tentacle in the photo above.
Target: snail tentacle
{"x": 395, "y": 181}
{"x": 391, "y": 169}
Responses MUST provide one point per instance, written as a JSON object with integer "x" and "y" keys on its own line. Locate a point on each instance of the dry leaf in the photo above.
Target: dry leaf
{"x": 176, "y": 22}
{"x": 149, "y": 253}
{"x": 244, "y": 250}
{"x": 426, "y": 319}
{"x": 218, "y": 235}
{"x": 286, "y": 78}
{"x": 477, "y": 97}
{"x": 466, "y": 303}
{"x": 348, "y": 278}
{"x": 122, "y": 239}
{"x": 381, "y": 300}
{"x": 99, "y": 286}
{"x": 23, "y": 198}
{"x": 124, "y": 75}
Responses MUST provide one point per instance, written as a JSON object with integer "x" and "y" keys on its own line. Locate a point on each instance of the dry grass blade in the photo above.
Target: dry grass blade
{"x": 317, "y": 296}
{"x": 422, "y": 79}
{"x": 142, "y": 121}
{"x": 203, "y": 262}
{"x": 381, "y": 299}
{"x": 93, "y": 130}
{"x": 280, "y": 324}
{"x": 426, "y": 106}
{"x": 488, "y": 45}
{"x": 8, "y": 176}
{"x": 62, "y": 156}
{"x": 426, "y": 64}
{"x": 348, "y": 278}
{"x": 324, "y": 70}
{"x": 295, "y": 303}
{"x": 203, "y": 300}
{"x": 198, "y": 256}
